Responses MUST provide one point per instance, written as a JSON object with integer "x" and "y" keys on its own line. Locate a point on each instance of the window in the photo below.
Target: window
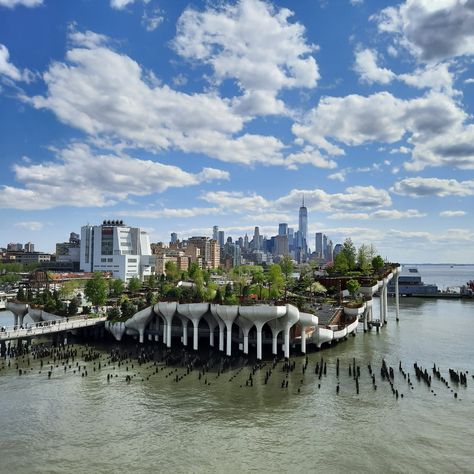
{"x": 103, "y": 259}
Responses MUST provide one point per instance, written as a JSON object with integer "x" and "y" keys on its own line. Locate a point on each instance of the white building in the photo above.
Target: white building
{"x": 117, "y": 248}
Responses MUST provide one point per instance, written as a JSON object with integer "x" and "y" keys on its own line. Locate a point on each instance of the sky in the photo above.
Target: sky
{"x": 175, "y": 116}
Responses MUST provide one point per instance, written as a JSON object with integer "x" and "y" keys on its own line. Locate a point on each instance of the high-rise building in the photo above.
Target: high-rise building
{"x": 256, "y": 239}
{"x": 116, "y": 248}
{"x": 215, "y": 232}
{"x": 337, "y": 250}
{"x": 246, "y": 241}
{"x": 214, "y": 254}
{"x": 220, "y": 238}
{"x": 303, "y": 232}
{"x": 282, "y": 229}
{"x": 329, "y": 251}
{"x": 174, "y": 237}
{"x": 280, "y": 245}
{"x": 29, "y": 247}
{"x": 318, "y": 245}
{"x": 15, "y": 247}
{"x": 69, "y": 251}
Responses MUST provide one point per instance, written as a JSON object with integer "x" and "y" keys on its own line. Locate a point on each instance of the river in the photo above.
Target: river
{"x": 80, "y": 424}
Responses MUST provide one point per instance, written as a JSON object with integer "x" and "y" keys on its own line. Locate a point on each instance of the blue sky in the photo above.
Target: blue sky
{"x": 177, "y": 116}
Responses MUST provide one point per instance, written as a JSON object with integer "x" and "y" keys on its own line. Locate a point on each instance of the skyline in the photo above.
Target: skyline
{"x": 178, "y": 116}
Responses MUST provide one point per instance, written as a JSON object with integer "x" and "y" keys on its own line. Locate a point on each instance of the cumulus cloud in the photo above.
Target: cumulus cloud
{"x": 417, "y": 187}
{"x": 25, "y": 3}
{"x": 81, "y": 178}
{"x": 452, "y": 213}
{"x": 354, "y": 197}
{"x": 253, "y": 43}
{"x": 8, "y": 69}
{"x": 431, "y": 30}
{"x": 367, "y": 68}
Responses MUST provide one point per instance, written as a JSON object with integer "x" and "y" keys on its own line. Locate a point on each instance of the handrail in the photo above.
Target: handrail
{"x": 50, "y": 327}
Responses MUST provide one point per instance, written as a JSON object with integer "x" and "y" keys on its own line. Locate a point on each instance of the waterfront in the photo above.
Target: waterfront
{"x": 84, "y": 424}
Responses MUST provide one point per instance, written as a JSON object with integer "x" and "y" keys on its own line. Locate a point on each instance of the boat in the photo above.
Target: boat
{"x": 411, "y": 284}
{"x": 467, "y": 290}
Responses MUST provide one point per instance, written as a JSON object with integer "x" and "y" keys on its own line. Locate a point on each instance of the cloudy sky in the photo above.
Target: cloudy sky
{"x": 177, "y": 116}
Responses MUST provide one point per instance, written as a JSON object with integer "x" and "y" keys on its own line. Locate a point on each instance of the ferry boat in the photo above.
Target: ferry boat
{"x": 410, "y": 284}
{"x": 467, "y": 290}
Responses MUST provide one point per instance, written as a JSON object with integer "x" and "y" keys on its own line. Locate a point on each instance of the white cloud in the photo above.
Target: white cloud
{"x": 79, "y": 177}
{"x": 30, "y": 225}
{"x": 153, "y": 19}
{"x": 366, "y": 66}
{"x": 469, "y": 81}
{"x": 25, "y": 3}
{"x": 122, "y": 4}
{"x": 380, "y": 214}
{"x": 418, "y": 186}
{"x": 88, "y": 39}
{"x": 338, "y": 176}
{"x": 10, "y": 70}
{"x": 252, "y": 42}
{"x": 354, "y": 198}
{"x": 431, "y": 30}
{"x": 432, "y": 76}
{"x": 452, "y": 213}
{"x": 171, "y": 213}
{"x": 356, "y": 2}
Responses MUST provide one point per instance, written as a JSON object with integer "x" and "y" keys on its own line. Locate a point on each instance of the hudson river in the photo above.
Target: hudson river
{"x": 70, "y": 423}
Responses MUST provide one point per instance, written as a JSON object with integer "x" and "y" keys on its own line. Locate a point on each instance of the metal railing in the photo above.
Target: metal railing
{"x": 48, "y": 327}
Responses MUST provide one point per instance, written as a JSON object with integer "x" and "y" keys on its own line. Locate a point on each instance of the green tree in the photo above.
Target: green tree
{"x": 114, "y": 314}
{"x": 68, "y": 288}
{"x": 117, "y": 287}
{"x": 172, "y": 273}
{"x": 152, "y": 283}
{"x": 377, "y": 263}
{"x": 134, "y": 285}
{"x": 228, "y": 291}
{"x": 218, "y": 298}
{"x": 96, "y": 289}
{"x": 353, "y": 288}
{"x": 349, "y": 250}
{"x": 286, "y": 265}
{"x": 73, "y": 307}
{"x": 259, "y": 280}
{"x": 20, "y": 296}
{"x": 275, "y": 280}
{"x": 128, "y": 309}
{"x": 341, "y": 264}
{"x": 364, "y": 259}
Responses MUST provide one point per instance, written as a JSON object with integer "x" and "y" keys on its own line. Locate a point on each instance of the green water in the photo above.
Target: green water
{"x": 84, "y": 424}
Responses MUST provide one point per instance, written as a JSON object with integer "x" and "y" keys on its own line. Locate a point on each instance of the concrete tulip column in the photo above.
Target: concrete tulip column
{"x": 306, "y": 320}
{"x": 213, "y": 309}
{"x": 194, "y": 312}
{"x": 184, "y": 322}
{"x": 228, "y": 313}
{"x": 167, "y": 310}
{"x": 35, "y": 314}
{"x": 276, "y": 325}
{"x": 246, "y": 325}
{"x": 259, "y": 315}
{"x": 212, "y": 323}
{"x": 19, "y": 311}
{"x": 139, "y": 321}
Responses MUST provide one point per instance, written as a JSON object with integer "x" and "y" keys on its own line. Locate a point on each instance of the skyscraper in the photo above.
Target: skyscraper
{"x": 174, "y": 237}
{"x": 303, "y": 231}
{"x": 319, "y": 244}
{"x": 215, "y": 232}
{"x": 256, "y": 239}
{"x": 282, "y": 229}
{"x": 220, "y": 238}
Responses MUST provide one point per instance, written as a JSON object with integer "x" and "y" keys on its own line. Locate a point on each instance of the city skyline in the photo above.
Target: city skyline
{"x": 178, "y": 116}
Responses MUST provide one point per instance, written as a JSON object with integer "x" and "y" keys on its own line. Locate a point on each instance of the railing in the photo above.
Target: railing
{"x": 48, "y": 327}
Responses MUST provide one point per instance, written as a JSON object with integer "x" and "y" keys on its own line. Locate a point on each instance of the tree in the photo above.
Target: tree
{"x": 353, "y": 287}
{"x": 117, "y": 287}
{"x": 349, "y": 250}
{"x": 377, "y": 263}
{"x": 364, "y": 259}
{"x": 341, "y": 264}
{"x": 20, "y": 296}
{"x": 96, "y": 289}
{"x": 114, "y": 314}
{"x": 134, "y": 285}
{"x": 275, "y": 280}
{"x": 128, "y": 309}
{"x": 73, "y": 307}
{"x": 152, "y": 283}
{"x": 218, "y": 297}
{"x": 259, "y": 279}
{"x": 286, "y": 265}
{"x": 171, "y": 270}
{"x": 68, "y": 288}
{"x": 228, "y": 291}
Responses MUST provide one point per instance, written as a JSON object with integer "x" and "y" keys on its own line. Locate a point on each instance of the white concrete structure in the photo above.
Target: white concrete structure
{"x": 306, "y": 320}
{"x": 19, "y": 311}
{"x": 116, "y": 248}
{"x": 194, "y": 312}
{"x": 139, "y": 321}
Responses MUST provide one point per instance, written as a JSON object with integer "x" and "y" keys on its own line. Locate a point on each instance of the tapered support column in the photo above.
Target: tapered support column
{"x": 167, "y": 311}
{"x": 141, "y": 335}
{"x": 227, "y": 314}
{"x": 246, "y": 342}
{"x": 246, "y": 325}
{"x": 303, "y": 339}
{"x": 221, "y": 336}
{"x": 168, "y": 334}
{"x": 385, "y": 303}
{"x": 229, "y": 339}
{"x": 275, "y": 342}
{"x": 185, "y": 331}
{"x": 259, "y": 343}
{"x": 211, "y": 338}
{"x": 287, "y": 342}
{"x": 397, "y": 299}
{"x": 195, "y": 334}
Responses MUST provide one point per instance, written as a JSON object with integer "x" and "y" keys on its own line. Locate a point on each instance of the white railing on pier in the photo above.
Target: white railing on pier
{"x": 48, "y": 327}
